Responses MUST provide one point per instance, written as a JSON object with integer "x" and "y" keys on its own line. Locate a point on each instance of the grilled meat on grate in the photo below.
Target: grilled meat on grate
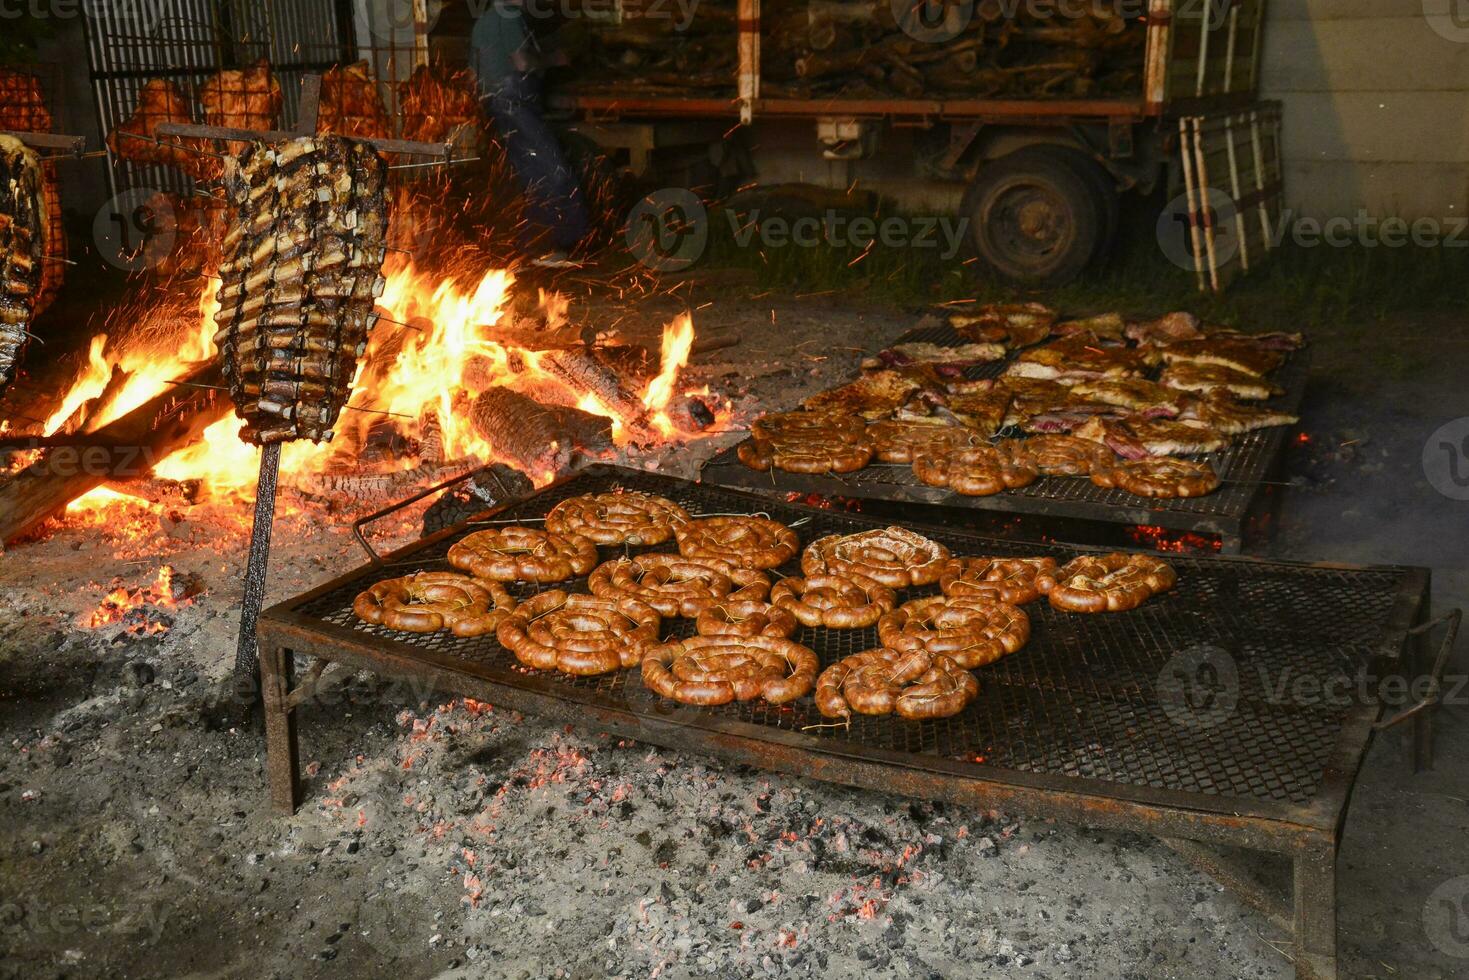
{"x": 22, "y": 249}
{"x": 301, "y": 269}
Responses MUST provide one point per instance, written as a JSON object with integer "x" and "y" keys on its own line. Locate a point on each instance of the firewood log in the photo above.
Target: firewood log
{"x": 539, "y": 440}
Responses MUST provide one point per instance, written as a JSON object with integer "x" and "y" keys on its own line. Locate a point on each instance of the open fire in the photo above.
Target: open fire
{"x": 443, "y": 341}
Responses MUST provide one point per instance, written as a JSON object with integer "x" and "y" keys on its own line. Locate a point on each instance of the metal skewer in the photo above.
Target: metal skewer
{"x": 247, "y": 658}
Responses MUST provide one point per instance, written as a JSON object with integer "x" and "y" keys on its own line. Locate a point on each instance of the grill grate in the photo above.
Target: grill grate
{"x": 1243, "y": 468}
{"x": 1081, "y": 699}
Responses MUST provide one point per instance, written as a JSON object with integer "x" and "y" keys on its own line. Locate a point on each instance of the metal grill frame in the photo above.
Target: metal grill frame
{"x": 1305, "y": 832}
{"x": 1245, "y": 467}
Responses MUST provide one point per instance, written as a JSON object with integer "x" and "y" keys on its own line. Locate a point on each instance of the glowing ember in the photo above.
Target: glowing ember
{"x": 100, "y": 497}
{"x": 1179, "y": 542}
{"x": 140, "y": 609}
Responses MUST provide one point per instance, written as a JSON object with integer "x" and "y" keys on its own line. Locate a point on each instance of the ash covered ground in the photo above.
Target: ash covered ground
{"x": 446, "y": 838}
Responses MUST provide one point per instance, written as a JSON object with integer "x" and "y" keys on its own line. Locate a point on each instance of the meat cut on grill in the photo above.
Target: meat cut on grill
{"x": 1231, "y": 352}
{"x": 1190, "y": 376}
{"x": 1106, "y": 327}
{"x": 950, "y": 361}
{"x": 22, "y": 249}
{"x": 1134, "y": 394}
{"x": 1167, "y": 329}
{"x": 873, "y": 396}
{"x": 23, "y": 106}
{"x": 351, "y": 105}
{"x": 1233, "y": 417}
{"x": 301, "y": 271}
{"x": 136, "y": 138}
{"x": 1080, "y": 357}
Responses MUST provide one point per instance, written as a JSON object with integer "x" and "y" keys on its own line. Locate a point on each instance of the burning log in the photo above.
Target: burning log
{"x": 540, "y": 440}
{"x": 93, "y": 407}
{"x": 135, "y": 441}
{"x": 581, "y": 371}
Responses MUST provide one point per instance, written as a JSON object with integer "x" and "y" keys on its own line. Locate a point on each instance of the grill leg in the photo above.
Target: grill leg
{"x": 1315, "y": 899}
{"x": 282, "y": 760}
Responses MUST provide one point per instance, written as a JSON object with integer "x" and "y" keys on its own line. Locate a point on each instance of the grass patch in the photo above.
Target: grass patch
{"x": 1299, "y": 288}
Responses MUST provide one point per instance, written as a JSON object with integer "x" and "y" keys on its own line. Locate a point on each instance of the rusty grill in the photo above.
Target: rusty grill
{"x": 1080, "y": 701}
{"x": 1245, "y": 468}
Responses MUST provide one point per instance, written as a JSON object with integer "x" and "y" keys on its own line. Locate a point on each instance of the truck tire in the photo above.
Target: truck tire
{"x": 1108, "y": 198}
{"x": 1034, "y": 219}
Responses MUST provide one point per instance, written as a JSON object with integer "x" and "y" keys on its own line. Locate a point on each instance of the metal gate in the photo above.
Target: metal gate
{"x": 186, "y": 41}
{"x": 1232, "y": 175}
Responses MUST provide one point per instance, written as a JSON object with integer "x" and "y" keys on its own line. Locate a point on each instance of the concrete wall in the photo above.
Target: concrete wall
{"x": 1376, "y": 104}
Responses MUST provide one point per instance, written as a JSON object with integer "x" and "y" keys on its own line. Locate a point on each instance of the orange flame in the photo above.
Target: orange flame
{"x": 431, "y": 354}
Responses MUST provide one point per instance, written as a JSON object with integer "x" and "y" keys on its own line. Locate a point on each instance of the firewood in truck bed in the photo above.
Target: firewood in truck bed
{"x": 859, "y": 50}
{"x": 23, "y": 231}
{"x": 299, "y": 279}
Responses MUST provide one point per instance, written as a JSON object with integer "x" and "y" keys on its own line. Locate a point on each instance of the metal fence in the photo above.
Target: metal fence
{"x": 187, "y": 41}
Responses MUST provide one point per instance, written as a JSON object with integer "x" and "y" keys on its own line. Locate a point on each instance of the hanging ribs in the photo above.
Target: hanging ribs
{"x": 301, "y": 271}
{"x": 23, "y": 231}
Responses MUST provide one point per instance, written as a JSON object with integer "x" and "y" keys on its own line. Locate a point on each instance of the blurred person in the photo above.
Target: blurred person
{"x": 509, "y": 66}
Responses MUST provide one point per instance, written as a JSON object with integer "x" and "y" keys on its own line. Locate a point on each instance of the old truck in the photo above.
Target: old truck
{"x": 1029, "y": 118}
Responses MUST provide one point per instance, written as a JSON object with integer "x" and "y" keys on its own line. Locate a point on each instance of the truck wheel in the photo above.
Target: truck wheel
{"x": 1105, "y": 189}
{"x": 1033, "y": 218}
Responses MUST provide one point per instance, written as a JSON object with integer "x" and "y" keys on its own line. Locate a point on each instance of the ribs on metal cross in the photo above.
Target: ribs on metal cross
{"x": 247, "y": 663}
